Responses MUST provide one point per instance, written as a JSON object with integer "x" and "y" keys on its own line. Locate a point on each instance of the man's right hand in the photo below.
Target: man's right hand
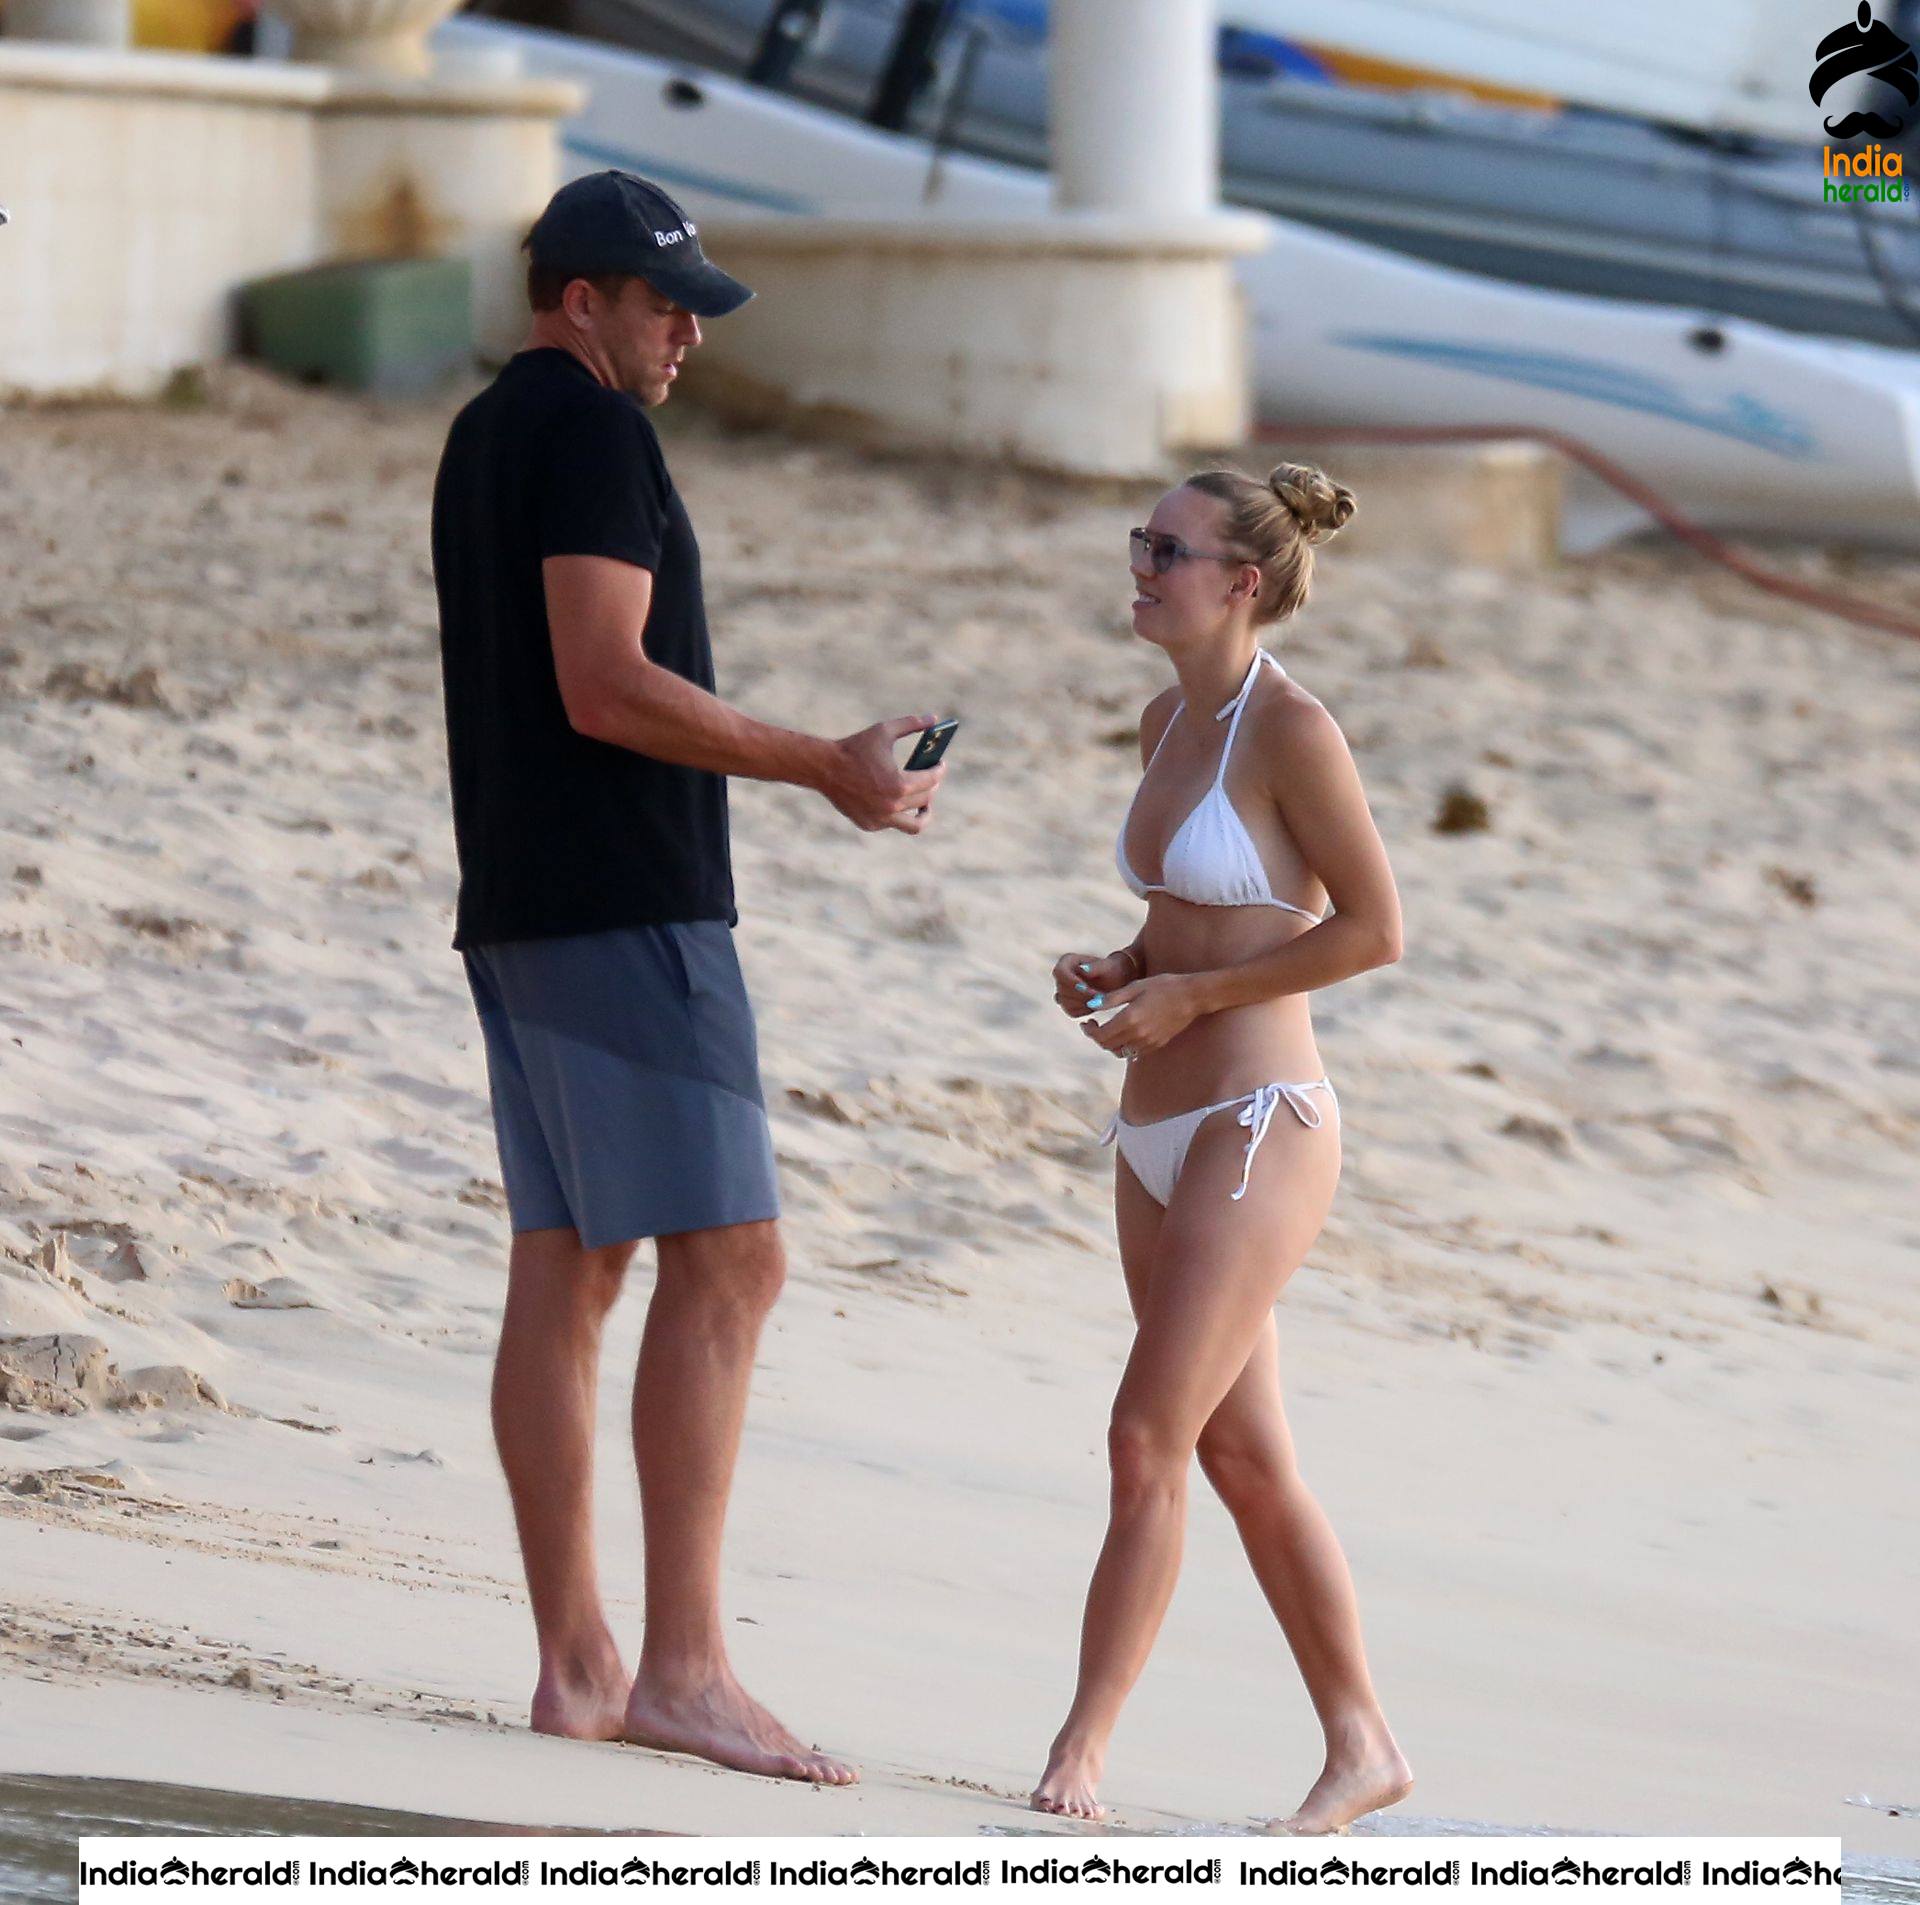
{"x": 867, "y": 784}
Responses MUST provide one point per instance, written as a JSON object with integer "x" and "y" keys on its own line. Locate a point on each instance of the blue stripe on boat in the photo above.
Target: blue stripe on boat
{"x": 1744, "y": 418}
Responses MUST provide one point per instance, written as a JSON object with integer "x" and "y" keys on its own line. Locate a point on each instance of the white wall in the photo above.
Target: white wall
{"x": 133, "y": 206}
{"x": 144, "y": 187}
{"x": 1090, "y": 344}
{"x": 462, "y": 173}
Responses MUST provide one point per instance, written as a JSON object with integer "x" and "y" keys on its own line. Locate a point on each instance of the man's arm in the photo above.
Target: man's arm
{"x": 597, "y": 610}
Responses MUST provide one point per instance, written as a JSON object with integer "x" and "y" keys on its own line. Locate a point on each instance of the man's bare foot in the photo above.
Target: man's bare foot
{"x": 1346, "y": 1789}
{"x": 1068, "y": 1785}
{"x": 722, "y": 1722}
{"x": 582, "y": 1699}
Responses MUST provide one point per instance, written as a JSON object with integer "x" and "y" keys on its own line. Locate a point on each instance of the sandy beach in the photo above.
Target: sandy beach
{"x": 1607, "y": 1367}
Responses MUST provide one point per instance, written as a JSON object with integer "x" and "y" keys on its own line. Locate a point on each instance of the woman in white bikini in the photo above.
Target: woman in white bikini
{"x": 1249, "y": 820}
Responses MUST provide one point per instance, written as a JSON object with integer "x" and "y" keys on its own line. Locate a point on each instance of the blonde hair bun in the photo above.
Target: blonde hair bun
{"x": 1277, "y": 523}
{"x": 1321, "y": 506}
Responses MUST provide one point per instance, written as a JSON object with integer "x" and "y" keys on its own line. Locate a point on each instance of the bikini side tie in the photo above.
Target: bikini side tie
{"x": 1258, "y": 1116}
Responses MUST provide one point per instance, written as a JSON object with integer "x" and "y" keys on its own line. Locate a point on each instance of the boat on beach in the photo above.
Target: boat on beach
{"x": 1747, "y": 428}
{"x": 1712, "y": 215}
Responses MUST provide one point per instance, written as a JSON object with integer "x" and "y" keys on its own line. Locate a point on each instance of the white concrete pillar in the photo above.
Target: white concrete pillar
{"x": 365, "y": 36}
{"x": 452, "y": 170}
{"x": 1134, "y": 103}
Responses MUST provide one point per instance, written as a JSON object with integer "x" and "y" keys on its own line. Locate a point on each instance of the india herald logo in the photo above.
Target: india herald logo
{"x": 1867, "y": 46}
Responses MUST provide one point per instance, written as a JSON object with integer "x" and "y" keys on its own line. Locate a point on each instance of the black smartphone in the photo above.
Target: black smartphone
{"x": 931, "y": 744}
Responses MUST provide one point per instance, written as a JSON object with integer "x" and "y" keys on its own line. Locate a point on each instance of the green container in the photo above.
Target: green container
{"x": 394, "y": 326}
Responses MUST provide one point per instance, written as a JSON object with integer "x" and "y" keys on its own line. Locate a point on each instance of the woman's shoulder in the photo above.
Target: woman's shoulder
{"x": 1290, "y": 723}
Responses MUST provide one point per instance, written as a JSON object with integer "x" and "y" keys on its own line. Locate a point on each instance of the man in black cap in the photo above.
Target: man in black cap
{"x": 589, "y": 758}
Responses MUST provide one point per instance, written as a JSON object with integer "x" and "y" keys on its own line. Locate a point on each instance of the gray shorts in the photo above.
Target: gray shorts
{"x": 626, "y": 1081}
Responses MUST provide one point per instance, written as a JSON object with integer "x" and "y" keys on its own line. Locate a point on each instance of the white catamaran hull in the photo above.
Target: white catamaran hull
{"x": 1732, "y": 63}
{"x": 1760, "y": 432}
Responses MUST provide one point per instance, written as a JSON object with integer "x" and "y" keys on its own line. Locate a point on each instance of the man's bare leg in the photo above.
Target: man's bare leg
{"x": 714, "y": 1290}
{"x": 544, "y": 1379}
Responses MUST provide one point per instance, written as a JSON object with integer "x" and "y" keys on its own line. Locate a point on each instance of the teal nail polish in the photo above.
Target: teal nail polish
{"x": 1095, "y": 1003}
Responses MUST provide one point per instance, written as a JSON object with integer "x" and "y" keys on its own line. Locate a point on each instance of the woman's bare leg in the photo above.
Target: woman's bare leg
{"x": 1246, "y": 1452}
{"x": 1072, "y": 1776}
{"x": 1214, "y": 1270}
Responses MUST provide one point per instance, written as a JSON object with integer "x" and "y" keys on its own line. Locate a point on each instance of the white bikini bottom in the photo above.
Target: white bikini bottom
{"x": 1155, "y": 1152}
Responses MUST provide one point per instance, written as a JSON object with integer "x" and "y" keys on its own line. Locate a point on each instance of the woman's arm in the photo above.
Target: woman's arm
{"x": 1317, "y": 788}
{"x": 1336, "y": 949}
{"x": 1313, "y": 780}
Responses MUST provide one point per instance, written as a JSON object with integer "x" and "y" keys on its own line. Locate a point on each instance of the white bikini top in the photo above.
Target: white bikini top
{"x": 1211, "y": 859}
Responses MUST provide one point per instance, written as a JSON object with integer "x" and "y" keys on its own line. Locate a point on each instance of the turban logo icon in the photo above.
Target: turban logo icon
{"x": 1867, "y": 46}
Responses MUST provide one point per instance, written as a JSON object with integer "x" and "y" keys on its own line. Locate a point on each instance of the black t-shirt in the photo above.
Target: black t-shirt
{"x": 557, "y": 833}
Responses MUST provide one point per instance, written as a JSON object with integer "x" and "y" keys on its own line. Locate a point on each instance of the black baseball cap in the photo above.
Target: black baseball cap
{"x": 612, "y": 224}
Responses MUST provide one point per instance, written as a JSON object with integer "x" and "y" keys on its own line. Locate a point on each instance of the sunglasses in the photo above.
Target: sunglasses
{"x": 1161, "y": 552}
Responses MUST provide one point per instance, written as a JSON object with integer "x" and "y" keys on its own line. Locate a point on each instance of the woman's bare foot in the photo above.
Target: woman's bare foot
{"x": 1348, "y": 1787}
{"x": 721, "y": 1722}
{"x": 1068, "y": 1785}
{"x": 582, "y": 1698}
